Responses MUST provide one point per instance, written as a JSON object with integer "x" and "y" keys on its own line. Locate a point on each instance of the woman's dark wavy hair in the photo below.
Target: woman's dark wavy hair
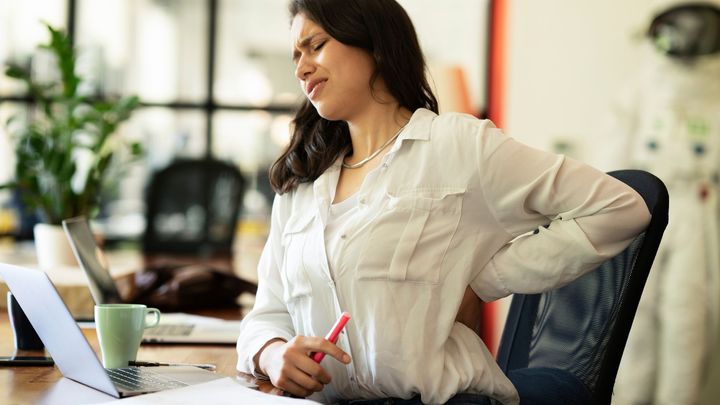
{"x": 381, "y": 27}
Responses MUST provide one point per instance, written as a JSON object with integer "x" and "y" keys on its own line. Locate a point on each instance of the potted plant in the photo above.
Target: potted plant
{"x": 66, "y": 149}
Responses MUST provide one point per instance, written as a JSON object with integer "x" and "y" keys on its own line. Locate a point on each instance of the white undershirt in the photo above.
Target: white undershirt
{"x": 338, "y": 220}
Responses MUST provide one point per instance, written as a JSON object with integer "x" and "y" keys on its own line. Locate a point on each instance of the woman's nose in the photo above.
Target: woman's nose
{"x": 304, "y": 68}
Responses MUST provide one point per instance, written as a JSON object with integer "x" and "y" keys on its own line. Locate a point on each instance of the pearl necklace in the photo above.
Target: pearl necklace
{"x": 372, "y": 155}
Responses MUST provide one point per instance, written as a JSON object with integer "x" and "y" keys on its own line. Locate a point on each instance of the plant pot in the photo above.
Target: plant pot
{"x": 52, "y": 247}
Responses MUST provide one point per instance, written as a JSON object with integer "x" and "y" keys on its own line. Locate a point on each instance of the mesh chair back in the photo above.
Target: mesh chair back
{"x": 193, "y": 207}
{"x": 582, "y": 327}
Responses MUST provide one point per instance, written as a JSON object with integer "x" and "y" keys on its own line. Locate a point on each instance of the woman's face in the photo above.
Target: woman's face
{"x": 334, "y": 77}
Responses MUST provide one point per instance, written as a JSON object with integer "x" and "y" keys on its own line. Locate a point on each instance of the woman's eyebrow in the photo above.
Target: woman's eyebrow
{"x": 302, "y": 43}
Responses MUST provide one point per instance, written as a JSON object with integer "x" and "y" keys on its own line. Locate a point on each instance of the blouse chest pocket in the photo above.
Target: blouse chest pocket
{"x": 408, "y": 240}
{"x": 294, "y": 275}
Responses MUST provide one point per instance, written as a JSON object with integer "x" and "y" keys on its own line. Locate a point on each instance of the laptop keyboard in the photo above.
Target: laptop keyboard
{"x": 137, "y": 379}
{"x": 170, "y": 330}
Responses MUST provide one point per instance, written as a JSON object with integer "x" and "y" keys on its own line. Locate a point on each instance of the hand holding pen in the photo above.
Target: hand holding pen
{"x": 293, "y": 366}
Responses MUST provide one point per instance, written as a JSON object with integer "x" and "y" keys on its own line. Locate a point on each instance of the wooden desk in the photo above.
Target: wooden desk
{"x": 31, "y": 385}
{"x": 39, "y": 385}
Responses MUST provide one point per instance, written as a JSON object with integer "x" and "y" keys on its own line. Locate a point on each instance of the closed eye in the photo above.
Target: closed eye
{"x": 319, "y": 46}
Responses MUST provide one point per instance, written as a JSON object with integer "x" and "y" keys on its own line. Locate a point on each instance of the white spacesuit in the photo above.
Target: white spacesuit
{"x": 671, "y": 125}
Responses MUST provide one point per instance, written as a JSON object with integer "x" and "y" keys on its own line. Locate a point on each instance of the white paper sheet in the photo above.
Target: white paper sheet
{"x": 183, "y": 318}
{"x": 225, "y": 391}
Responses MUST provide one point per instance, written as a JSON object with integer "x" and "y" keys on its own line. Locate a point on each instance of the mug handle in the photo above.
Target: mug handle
{"x": 156, "y": 320}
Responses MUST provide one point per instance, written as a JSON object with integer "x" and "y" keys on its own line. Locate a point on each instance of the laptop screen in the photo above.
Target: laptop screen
{"x": 92, "y": 260}
{"x": 56, "y": 327}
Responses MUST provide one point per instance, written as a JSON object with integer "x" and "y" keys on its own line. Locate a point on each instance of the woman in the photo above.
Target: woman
{"x": 404, "y": 219}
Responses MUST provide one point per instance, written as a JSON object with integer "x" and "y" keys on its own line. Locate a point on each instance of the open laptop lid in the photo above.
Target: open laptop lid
{"x": 56, "y": 327}
{"x": 92, "y": 260}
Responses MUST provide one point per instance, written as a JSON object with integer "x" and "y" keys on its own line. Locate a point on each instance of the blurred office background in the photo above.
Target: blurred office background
{"x": 214, "y": 77}
{"x": 216, "y": 80}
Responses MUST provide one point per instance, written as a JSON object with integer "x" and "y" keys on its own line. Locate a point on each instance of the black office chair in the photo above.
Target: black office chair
{"x": 577, "y": 333}
{"x": 193, "y": 208}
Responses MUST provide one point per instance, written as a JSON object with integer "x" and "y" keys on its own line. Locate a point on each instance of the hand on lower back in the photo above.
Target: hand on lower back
{"x": 470, "y": 311}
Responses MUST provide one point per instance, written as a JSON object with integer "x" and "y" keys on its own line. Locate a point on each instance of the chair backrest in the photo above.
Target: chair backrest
{"x": 582, "y": 327}
{"x": 193, "y": 208}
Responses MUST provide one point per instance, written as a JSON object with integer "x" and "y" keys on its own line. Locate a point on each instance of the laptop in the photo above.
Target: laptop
{"x": 73, "y": 354}
{"x": 173, "y": 328}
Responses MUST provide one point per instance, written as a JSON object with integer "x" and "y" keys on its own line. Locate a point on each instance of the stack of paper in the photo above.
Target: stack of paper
{"x": 225, "y": 391}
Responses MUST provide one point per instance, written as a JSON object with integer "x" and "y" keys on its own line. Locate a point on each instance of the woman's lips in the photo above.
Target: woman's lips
{"x": 316, "y": 89}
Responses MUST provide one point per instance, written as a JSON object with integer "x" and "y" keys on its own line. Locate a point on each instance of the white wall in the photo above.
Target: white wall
{"x": 567, "y": 60}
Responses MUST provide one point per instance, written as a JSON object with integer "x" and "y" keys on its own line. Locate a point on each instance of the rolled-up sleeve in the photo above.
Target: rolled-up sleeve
{"x": 269, "y": 317}
{"x": 565, "y": 217}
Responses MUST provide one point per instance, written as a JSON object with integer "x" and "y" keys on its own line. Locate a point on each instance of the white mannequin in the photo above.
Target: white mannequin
{"x": 670, "y": 125}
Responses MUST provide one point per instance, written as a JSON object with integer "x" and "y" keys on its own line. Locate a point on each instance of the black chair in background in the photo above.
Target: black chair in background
{"x": 578, "y": 332}
{"x": 193, "y": 208}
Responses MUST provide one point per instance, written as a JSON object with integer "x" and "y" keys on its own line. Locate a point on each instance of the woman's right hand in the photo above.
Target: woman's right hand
{"x": 290, "y": 367}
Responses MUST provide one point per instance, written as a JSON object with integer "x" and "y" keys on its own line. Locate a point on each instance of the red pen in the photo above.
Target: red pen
{"x": 332, "y": 336}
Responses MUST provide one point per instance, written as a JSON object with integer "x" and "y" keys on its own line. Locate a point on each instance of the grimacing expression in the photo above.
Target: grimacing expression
{"x": 335, "y": 77}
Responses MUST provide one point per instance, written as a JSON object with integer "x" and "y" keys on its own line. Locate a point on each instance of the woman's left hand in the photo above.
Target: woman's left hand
{"x": 470, "y": 311}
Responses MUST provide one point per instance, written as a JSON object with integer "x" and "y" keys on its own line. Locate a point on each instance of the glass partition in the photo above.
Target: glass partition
{"x": 21, "y": 29}
{"x": 156, "y": 49}
{"x": 454, "y": 38}
{"x": 254, "y": 65}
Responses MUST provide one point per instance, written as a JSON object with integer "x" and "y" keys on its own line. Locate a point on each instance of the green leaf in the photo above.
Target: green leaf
{"x": 136, "y": 149}
{"x": 16, "y": 72}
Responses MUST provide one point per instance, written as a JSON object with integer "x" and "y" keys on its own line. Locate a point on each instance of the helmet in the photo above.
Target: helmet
{"x": 686, "y": 30}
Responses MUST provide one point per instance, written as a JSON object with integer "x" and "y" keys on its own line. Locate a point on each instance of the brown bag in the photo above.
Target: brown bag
{"x": 188, "y": 287}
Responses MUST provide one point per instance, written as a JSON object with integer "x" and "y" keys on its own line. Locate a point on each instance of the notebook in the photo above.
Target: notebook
{"x": 72, "y": 353}
{"x": 173, "y": 328}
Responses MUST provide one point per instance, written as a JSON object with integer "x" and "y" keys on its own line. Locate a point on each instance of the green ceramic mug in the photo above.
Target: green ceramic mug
{"x": 120, "y": 328}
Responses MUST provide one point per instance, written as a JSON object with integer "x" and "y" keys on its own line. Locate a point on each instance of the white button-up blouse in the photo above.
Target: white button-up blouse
{"x": 453, "y": 204}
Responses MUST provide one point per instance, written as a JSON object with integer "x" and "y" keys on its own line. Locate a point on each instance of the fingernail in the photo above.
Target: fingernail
{"x": 346, "y": 358}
